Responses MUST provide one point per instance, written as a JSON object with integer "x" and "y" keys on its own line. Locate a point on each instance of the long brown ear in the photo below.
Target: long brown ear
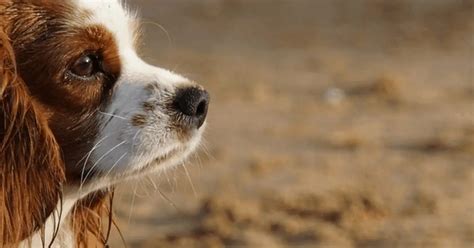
{"x": 31, "y": 169}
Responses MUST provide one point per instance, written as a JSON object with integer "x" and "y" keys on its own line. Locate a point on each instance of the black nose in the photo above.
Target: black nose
{"x": 193, "y": 103}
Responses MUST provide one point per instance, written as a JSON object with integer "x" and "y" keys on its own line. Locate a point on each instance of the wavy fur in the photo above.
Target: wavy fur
{"x": 31, "y": 168}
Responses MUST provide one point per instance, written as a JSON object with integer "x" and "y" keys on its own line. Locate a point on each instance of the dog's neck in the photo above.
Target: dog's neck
{"x": 58, "y": 227}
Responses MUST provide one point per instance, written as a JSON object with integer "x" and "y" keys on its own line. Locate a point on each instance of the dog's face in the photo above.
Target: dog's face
{"x": 113, "y": 115}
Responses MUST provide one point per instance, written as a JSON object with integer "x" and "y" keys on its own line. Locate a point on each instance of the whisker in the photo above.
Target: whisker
{"x": 206, "y": 150}
{"x": 113, "y": 115}
{"x": 134, "y": 139}
{"x": 197, "y": 159}
{"x": 167, "y": 199}
{"x": 168, "y": 179}
{"x": 115, "y": 164}
{"x": 87, "y": 159}
{"x": 189, "y": 180}
{"x": 152, "y": 182}
{"x": 175, "y": 180}
{"x": 162, "y": 29}
{"x": 87, "y": 155}
{"x": 133, "y": 204}
{"x": 100, "y": 159}
{"x": 142, "y": 187}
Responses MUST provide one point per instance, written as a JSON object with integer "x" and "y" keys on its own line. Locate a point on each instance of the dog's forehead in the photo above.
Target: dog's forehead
{"x": 114, "y": 15}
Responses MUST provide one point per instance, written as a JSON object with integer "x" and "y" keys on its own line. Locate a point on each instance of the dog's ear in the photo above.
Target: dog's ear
{"x": 31, "y": 168}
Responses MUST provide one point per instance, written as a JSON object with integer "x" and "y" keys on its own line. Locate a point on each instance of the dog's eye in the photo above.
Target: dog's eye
{"x": 86, "y": 66}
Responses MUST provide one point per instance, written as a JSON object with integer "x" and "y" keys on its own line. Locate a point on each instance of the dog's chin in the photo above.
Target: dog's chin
{"x": 166, "y": 161}
{"x": 147, "y": 164}
{"x": 174, "y": 156}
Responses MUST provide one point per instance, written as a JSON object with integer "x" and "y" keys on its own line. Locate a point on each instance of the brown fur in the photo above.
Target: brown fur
{"x": 45, "y": 119}
{"x": 31, "y": 168}
{"x": 88, "y": 219}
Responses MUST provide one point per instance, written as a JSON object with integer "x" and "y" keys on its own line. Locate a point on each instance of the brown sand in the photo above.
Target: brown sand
{"x": 332, "y": 124}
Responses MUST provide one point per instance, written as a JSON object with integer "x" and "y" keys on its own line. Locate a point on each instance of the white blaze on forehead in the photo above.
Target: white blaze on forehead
{"x": 114, "y": 16}
{"x": 121, "y": 23}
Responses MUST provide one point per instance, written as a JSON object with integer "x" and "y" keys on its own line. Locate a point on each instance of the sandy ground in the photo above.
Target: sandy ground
{"x": 333, "y": 124}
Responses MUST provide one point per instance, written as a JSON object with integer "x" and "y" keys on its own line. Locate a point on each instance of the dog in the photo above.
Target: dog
{"x": 81, "y": 112}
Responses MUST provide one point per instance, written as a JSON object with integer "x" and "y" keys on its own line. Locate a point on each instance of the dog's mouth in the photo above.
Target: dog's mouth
{"x": 173, "y": 157}
{"x": 163, "y": 160}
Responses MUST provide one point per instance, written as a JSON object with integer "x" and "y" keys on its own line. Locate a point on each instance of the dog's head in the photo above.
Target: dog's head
{"x": 86, "y": 100}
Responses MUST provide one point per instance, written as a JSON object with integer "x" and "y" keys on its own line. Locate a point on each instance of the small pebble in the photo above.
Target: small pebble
{"x": 334, "y": 96}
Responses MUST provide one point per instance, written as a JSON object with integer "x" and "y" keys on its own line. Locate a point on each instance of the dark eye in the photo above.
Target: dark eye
{"x": 86, "y": 66}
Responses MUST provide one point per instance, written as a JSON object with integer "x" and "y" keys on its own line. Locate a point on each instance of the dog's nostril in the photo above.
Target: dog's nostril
{"x": 192, "y": 102}
{"x": 202, "y": 107}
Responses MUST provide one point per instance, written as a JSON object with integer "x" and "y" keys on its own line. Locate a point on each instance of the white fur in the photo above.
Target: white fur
{"x": 121, "y": 148}
{"x": 114, "y": 16}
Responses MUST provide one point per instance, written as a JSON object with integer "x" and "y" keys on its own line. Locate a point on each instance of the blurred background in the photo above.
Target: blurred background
{"x": 333, "y": 123}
